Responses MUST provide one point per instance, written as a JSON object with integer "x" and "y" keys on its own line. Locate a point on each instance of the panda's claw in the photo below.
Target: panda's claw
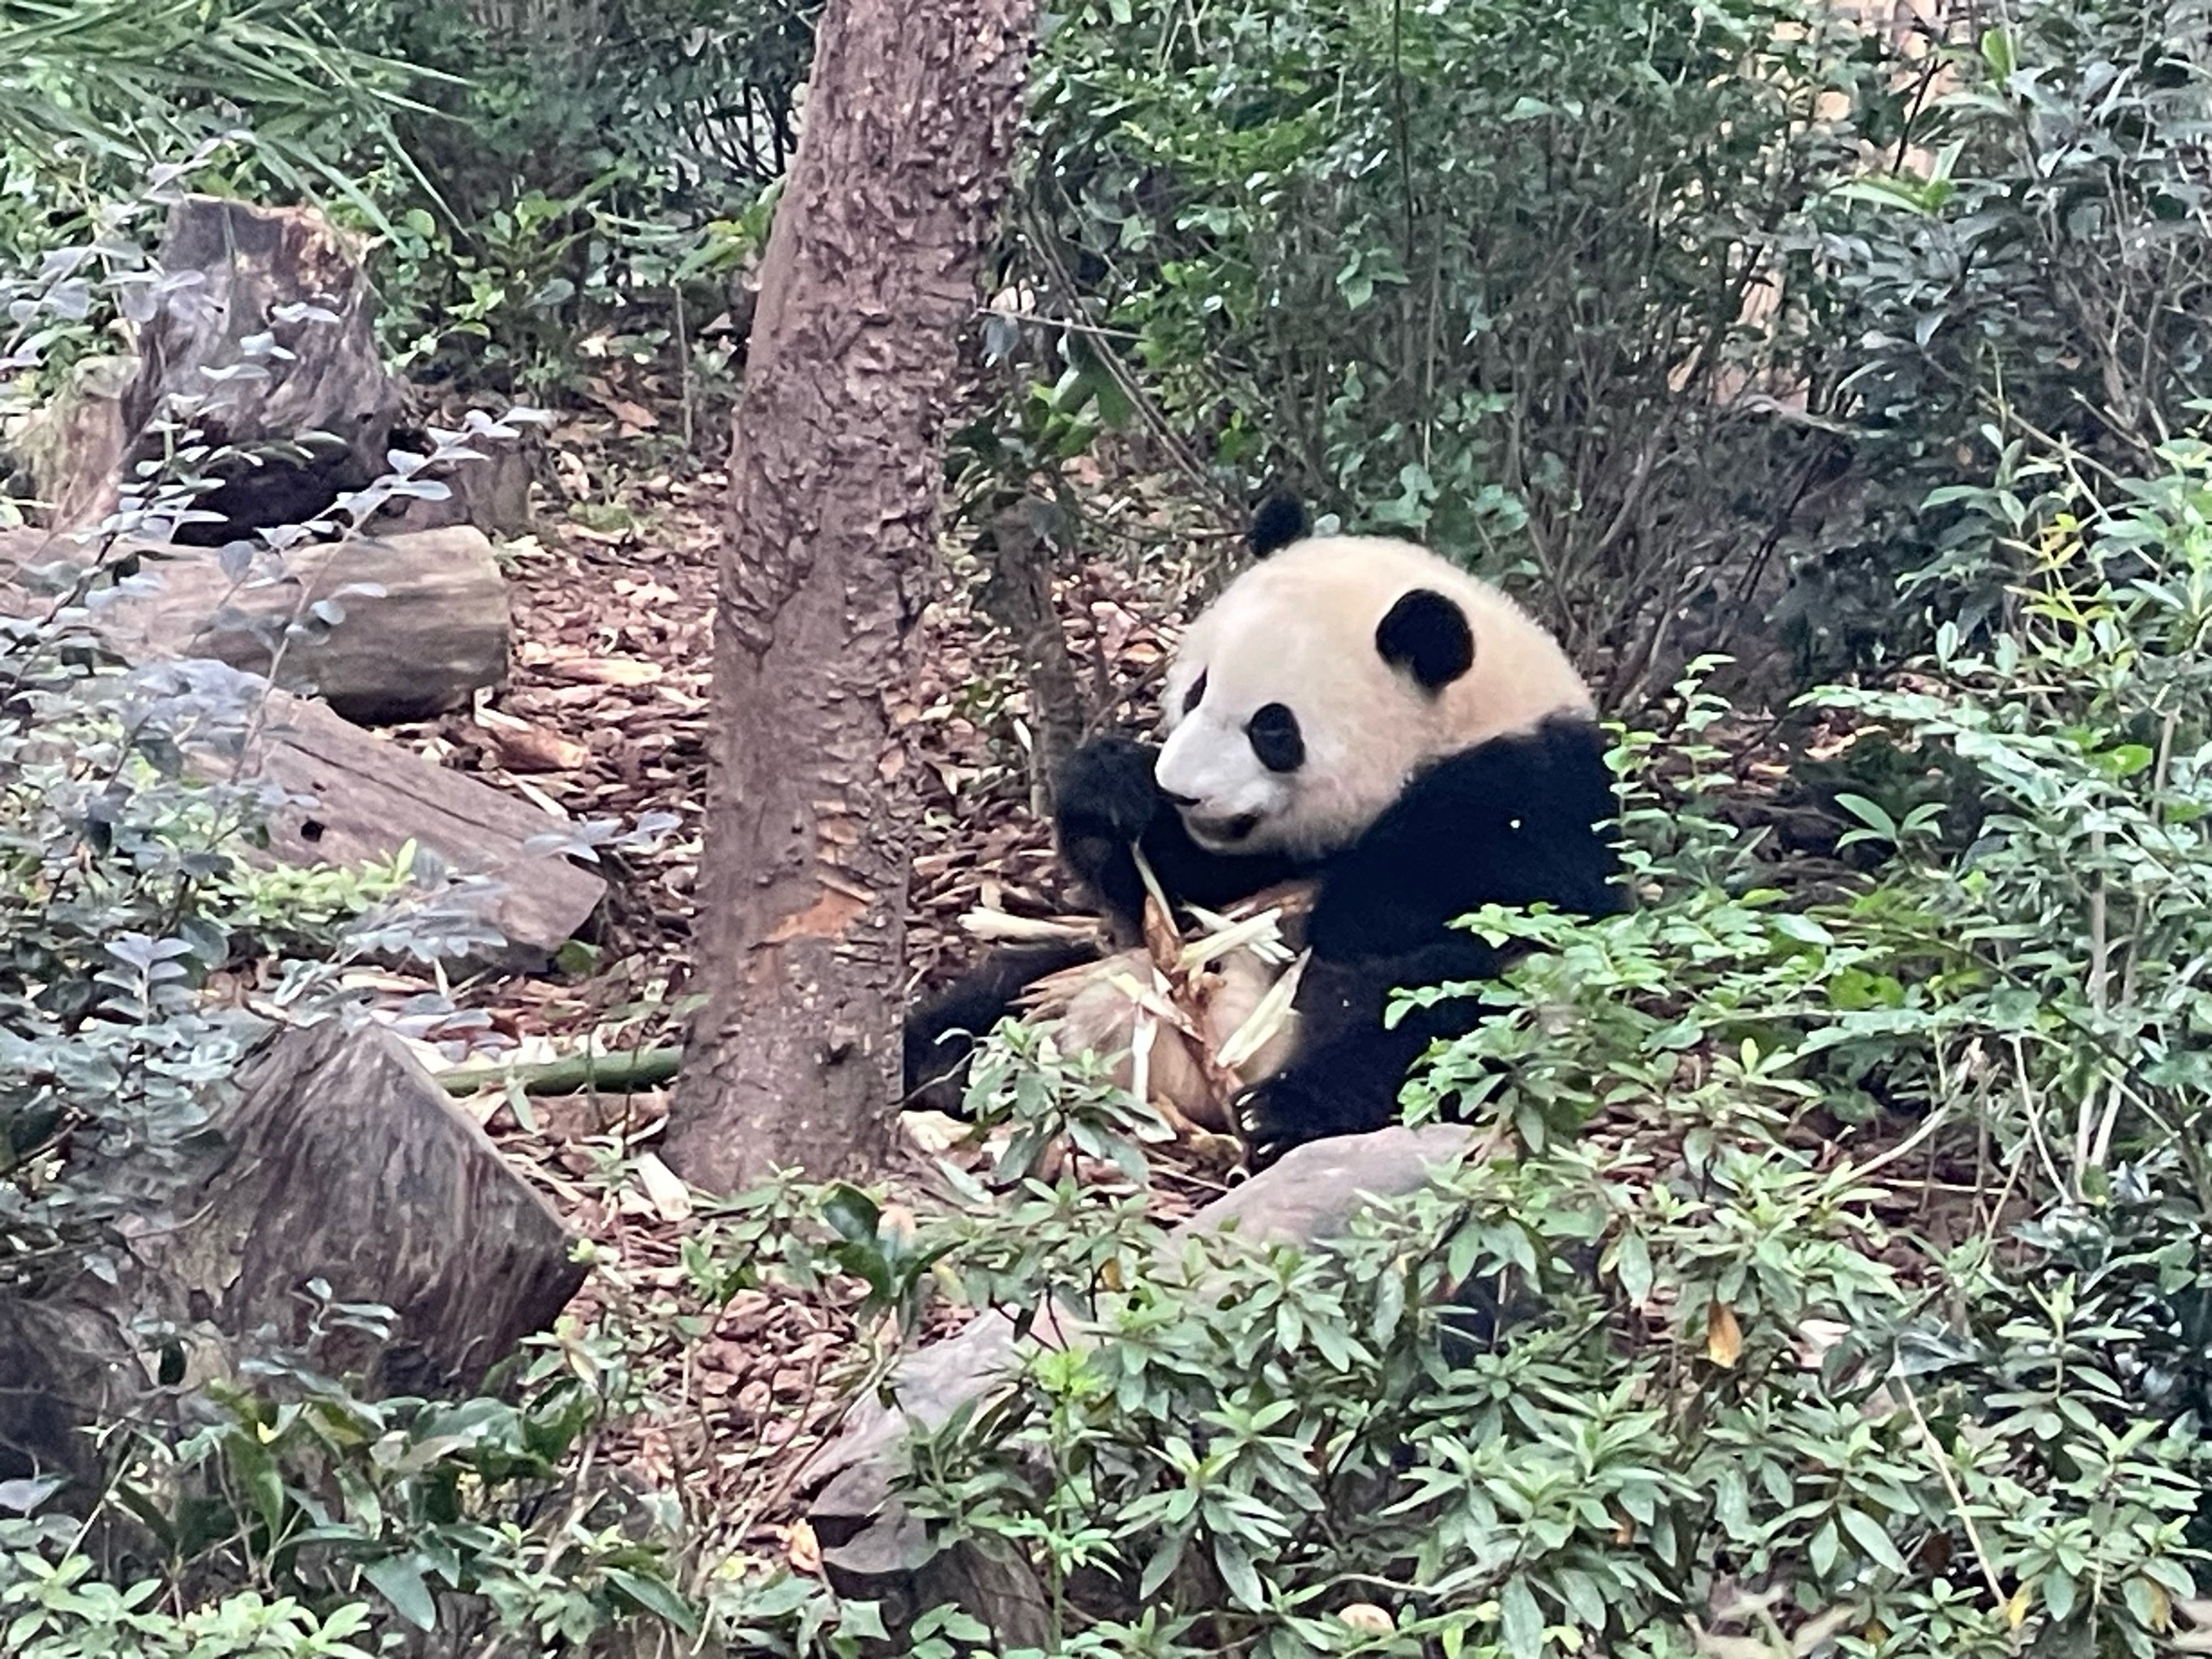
{"x": 1269, "y": 1130}
{"x": 1299, "y": 1105}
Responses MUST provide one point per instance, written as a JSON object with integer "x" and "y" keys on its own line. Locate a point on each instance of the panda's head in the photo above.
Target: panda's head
{"x": 1323, "y": 677}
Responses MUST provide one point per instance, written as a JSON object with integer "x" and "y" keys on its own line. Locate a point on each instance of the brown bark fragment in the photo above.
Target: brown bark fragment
{"x": 828, "y": 917}
{"x": 869, "y": 273}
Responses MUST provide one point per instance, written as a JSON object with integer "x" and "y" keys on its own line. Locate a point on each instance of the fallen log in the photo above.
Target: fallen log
{"x": 356, "y": 798}
{"x": 435, "y": 634}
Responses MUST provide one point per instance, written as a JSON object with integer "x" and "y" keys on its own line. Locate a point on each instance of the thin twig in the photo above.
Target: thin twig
{"x": 1942, "y": 1463}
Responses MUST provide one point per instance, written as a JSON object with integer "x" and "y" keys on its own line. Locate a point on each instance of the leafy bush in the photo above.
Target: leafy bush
{"x": 87, "y": 83}
{"x": 2020, "y": 279}
{"x": 128, "y": 850}
{"x": 585, "y": 167}
{"x": 1277, "y": 1452}
{"x": 1475, "y": 272}
{"x": 527, "y": 178}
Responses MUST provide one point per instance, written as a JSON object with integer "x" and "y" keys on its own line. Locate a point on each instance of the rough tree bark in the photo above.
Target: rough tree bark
{"x": 871, "y": 272}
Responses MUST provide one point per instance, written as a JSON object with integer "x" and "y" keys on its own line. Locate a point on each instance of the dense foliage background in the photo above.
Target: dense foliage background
{"x": 1849, "y": 1291}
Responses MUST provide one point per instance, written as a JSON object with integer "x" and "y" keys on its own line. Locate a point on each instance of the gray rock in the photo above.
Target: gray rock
{"x": 1312, "y": 1192}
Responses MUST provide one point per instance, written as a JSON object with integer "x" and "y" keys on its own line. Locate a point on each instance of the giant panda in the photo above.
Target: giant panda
{"x": 1356, "y": 712}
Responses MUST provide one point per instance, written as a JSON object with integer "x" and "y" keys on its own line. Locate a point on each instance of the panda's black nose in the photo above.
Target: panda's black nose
{"x": 1179, "y": 800}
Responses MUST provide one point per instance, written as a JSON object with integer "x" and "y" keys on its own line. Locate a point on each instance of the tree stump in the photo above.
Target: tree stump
{"x": 339, "y": 1159}
{"x": 74, "y": 449}
{"x": 274, "y": 341}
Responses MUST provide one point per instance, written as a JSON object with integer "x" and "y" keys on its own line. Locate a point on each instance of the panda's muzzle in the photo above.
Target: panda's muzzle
{"x": 1224, "y": 831}
{"x": 1215, "y": 830}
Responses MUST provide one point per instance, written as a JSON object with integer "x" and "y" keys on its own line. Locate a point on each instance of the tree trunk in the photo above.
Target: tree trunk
{"x": 1018, "y": 596}
{"x": 870, "y": 274}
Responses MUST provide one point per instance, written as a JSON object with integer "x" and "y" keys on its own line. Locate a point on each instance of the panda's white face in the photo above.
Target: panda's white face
{"x": 1303, "y": 699}
{"x": 1232, "y": 772}
{"x": 1284, "y": 735}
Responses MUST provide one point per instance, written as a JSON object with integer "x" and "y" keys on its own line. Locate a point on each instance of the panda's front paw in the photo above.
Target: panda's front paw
{"x": 1105, "y": 801}
{"x": 1276, "y": 1115}
{"x": 1106, "y": 790}
{"x": 1287, "y": 1110}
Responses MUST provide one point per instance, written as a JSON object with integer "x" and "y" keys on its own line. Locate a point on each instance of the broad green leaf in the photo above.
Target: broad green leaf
{"x": 1870, "y": 813}
{"x": 655, "y": 1596}
{"x": 851, "y": 1213}
{"x": 2059, "y": 1594}
{"x": 1632, "y": 1266}
{"x": 1520, "y": 1620}
{"x": 1237, "y": 1572}
{"x": 1867, "y": 1533}
{"x": 398, "y": 1579}
{"x": 1996, "y": 52}
{"x": 1827, "y": 1544}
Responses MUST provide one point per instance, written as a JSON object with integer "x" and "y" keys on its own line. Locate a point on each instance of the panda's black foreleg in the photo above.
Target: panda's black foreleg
{"x": 1105, "y": 801}
{"x": 1344, "y": 1076}
{"x": 940, "y": 1034}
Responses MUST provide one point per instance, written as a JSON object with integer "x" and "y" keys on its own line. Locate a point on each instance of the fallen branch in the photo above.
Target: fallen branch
{"x": 576, "y": 1074}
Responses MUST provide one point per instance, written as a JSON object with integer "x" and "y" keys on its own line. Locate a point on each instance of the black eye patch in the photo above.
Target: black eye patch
{"x": 1190, "y": 698}
{"x": 1276, "y": 739}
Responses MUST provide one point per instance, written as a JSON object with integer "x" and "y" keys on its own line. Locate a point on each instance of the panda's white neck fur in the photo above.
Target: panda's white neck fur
{"x": 1299, "y": 628}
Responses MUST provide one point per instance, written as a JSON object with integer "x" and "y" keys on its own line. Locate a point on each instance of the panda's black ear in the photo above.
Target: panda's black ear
{"x": 1278, "y": 521}
{"x": 1427, "y": 634}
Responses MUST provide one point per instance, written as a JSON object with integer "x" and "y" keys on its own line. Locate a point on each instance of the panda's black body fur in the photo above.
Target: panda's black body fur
{"x": 1381, "y": 913}
{"x": 1517, "y": 819}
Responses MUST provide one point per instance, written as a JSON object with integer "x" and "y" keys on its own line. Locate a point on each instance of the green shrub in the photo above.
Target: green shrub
{"x": 1476, "y": 272}
{"x": 2025, "y": 280}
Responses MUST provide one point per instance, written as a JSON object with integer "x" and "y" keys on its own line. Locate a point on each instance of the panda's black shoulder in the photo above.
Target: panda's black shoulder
{"x": 1521, "y": 819}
